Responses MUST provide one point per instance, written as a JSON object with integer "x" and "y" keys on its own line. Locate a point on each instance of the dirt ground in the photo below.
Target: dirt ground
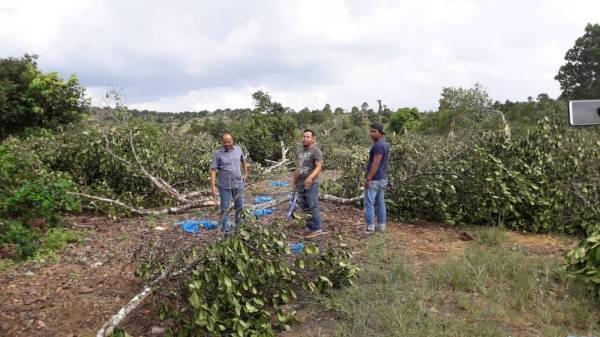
{"x": 93, "y": 280}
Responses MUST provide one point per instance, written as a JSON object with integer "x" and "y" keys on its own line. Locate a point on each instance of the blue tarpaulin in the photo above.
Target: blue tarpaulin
{"x": 296, "y": 247}
{"x": 207, "y": 224}
{"x": 279, "y": 183}
{"x": 191, "y": 225}
{"x": 261, "y": 212}
{"x": 262, "y": 199}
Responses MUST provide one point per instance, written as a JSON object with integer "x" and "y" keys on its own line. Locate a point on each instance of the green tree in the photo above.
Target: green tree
{"x": 30, "y": 98}
{"x": 269, "y": 125}
{"x": 326, "y": 113}
{"x": 357, "y": 117}
{"x": 580, "y": 77}
{"x": 463, "y": 108}
{"x": 405, "y": 119}
{"x": 364, "y": 107}
{"x": 304, "y": 117}
{"x": 264, "y": 103}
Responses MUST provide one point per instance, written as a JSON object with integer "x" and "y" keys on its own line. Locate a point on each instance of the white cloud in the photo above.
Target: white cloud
{"x": 192, "y": 55}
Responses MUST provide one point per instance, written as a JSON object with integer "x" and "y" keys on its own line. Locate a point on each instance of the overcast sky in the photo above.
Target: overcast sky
{"x": 195, "y": 55}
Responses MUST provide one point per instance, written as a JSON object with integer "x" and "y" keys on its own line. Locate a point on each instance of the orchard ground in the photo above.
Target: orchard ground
{"x": 420, "y": 279}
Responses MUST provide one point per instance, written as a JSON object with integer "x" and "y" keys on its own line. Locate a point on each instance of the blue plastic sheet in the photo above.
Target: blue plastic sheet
{"x": 262, "y": 199}
{"x": 192, "y": 225}
{"x": 261, "y": 212}
{"x": 280, "y": 183}
{"x": 296, "y": 247}
{"x": 207, "y": 224}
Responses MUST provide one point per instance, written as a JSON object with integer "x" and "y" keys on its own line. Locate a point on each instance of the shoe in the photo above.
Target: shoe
{"x": 370, "y": 229}
{"x": 314, "y": 233}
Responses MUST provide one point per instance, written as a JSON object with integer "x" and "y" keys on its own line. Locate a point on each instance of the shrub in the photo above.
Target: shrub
{"x": 584, "y": 261}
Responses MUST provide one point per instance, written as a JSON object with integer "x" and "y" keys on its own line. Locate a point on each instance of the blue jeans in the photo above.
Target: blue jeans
{"x": 375, "y": 205}
{"x": 226, "y": 195}
{"x": 309, "y": 202}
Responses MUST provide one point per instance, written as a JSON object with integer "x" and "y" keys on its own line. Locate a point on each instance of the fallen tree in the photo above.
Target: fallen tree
{"x": 241, "y": 285}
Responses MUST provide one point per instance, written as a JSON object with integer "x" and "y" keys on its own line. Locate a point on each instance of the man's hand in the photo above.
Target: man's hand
{"x": 214, "y": 191}
{"x": 366, "y": 184}
{"x": 308, "y": 183}
{"x": 245, "y": 178}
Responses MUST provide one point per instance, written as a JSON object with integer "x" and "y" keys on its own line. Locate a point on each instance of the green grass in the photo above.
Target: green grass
{"x": 487, "y": 291}
{"x": 6, "y": 264}
{"x": 491, "y": 235}
{"x": 49, "y": 246}
{"x": 55, "y": 240}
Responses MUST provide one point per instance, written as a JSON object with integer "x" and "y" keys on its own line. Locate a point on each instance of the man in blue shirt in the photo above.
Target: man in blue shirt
{"x": 376, "y": 180}
{"x": 228, "y": 162}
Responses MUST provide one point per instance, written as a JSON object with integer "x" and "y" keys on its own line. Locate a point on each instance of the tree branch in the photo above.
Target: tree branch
{"x": 169, "y": 210}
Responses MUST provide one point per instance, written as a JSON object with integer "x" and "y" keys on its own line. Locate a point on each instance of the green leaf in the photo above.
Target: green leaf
{"x": 195, "y": 300}
{"x": 250, "y": 308}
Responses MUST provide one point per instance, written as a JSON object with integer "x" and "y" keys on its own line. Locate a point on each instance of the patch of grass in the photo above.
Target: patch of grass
{"x": 6, "y": 264}
{"x": 151, "y": 221}
{"x": 58, "y": 238}
{"x": 491, "y": 236}
{"x": 487, "y": 291}
{"x": 55, "y": 240}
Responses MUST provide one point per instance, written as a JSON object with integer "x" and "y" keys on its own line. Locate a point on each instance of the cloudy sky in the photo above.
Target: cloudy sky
{"x": 195, "y": 55}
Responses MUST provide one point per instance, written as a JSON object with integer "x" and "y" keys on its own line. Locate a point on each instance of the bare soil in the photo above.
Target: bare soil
{"x": 92, "y": 281}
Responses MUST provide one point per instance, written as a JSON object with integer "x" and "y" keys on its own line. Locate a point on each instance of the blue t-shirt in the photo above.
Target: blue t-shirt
{"x": 383, "y": 148}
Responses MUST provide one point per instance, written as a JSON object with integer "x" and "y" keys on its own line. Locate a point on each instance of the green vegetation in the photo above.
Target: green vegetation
{"x": 29, "y": 98}
{"x": 245, "y": 284}
{"x": 29, "y": 194}
{"x": 515, "y": 165}
{"x": 486, "y": 291}
{"x": 584, "y": 261}
{"x": 580, "y": 77}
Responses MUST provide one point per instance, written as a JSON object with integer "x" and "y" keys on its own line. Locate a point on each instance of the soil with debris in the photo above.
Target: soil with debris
{"x": 93, "y": 280}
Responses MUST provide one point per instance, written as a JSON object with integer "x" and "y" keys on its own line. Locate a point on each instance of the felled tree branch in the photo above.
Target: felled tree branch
{"x": 168, "y": 210}
{"x": 284, "y": 161}
{"x": 158, "y": 182}
{"x": 108, "y": 328}
{"x": 323, "y": 197}
{"x": 338, "y": 200}
{"x": 186, "y": 202}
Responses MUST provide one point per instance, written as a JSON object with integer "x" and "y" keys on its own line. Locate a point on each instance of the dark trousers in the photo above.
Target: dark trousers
{"x": 309, "y": 202}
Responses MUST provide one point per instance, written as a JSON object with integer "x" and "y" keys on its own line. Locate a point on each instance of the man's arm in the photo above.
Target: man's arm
{"x": 213, "y": 181}
{"x": 374, "y": 167}
{"x": 309, "y": 180}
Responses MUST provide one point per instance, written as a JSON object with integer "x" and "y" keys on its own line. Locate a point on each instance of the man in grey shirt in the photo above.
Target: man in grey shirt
{"x": 228, "y": 163}
{"x": 305, "y": 182}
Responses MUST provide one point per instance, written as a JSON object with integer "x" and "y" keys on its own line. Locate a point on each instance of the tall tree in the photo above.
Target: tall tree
{"x": 404, "y": 119}
{"x": 580, "y": 77}
{"x": 269, "y": 126}
{"x": 31, "y": 98}
{"x": 364, "y": 107}
{"x": 462, "y": 108}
